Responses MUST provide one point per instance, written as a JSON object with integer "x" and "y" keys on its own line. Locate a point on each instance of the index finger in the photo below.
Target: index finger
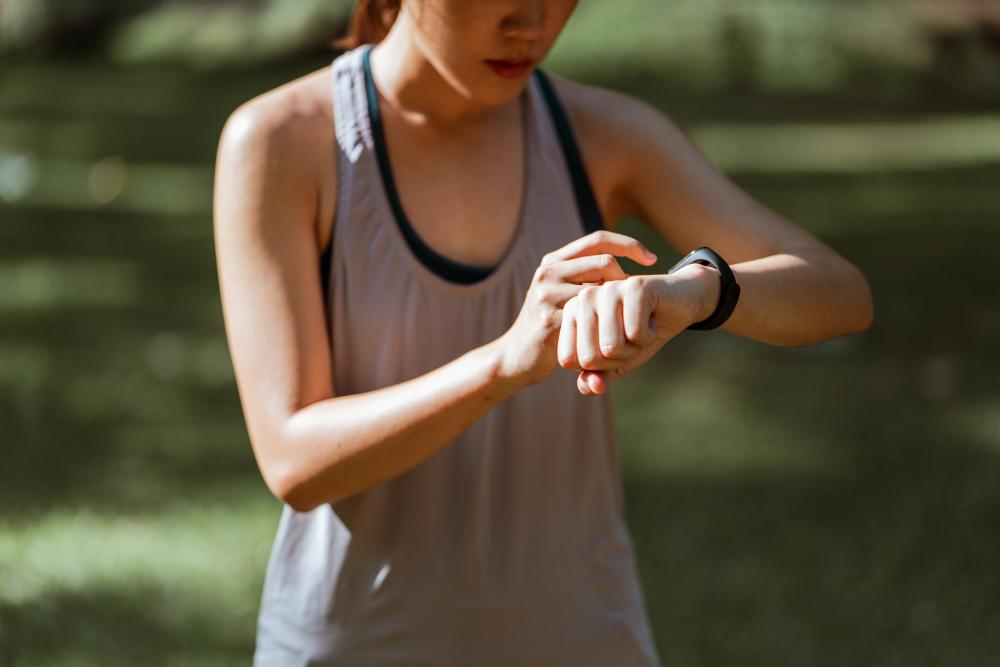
{"x": 605, "y": 241}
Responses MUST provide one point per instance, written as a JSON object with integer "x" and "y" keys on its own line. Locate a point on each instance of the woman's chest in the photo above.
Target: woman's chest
{"x": 463, "y": 199}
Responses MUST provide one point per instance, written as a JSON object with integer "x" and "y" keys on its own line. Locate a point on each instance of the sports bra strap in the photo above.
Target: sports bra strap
{"x": 586, "y": 204}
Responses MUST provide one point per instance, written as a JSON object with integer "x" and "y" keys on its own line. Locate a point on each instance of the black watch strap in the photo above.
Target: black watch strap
{"x": 729, "y": 292}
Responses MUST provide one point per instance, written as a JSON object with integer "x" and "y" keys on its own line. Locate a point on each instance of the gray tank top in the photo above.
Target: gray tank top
{"x": 506, "y": 547}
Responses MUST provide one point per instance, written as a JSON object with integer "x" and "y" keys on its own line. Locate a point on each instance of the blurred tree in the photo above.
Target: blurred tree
{"x": 196, "y": 32}
{"x": 963, "y": 40}
{"x": 960, "y": 32}
{"x": 885, "y": 48}
{"x": 44, "y": 26}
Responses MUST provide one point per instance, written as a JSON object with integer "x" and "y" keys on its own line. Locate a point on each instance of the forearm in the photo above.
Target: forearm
{"x": 793, "y": 300}
{"x": 340, "y": 446}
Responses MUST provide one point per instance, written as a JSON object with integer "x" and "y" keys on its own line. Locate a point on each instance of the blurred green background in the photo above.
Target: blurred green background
{"x": 834, "y": 504}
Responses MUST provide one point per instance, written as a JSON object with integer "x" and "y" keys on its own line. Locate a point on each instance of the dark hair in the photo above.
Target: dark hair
{"x": 370, "y": 23}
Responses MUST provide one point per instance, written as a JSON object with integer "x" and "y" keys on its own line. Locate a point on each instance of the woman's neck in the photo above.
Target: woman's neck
{"x": 414, "y": 88}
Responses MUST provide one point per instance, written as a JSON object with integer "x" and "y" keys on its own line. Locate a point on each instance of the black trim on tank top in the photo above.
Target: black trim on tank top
{"x": 586, "y": 203}
{"x": 444, "y": 267}
{"x": 325, "y": 262}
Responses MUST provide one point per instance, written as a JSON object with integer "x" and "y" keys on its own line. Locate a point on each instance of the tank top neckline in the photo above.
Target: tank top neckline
{"x": 456, "y": 275}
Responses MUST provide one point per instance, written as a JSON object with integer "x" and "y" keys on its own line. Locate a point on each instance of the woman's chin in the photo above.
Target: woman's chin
{"x": 501, "y": 92}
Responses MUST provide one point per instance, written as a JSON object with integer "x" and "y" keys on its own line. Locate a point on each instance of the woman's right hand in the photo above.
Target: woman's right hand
{"x": 528, "y": 348}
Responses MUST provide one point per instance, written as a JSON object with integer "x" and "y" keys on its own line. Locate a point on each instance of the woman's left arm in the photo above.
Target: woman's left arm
{"x": 795, "y": 289}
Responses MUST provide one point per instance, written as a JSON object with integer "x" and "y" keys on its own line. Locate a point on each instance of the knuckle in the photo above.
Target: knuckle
{"x": 635, "y": 334}
{"x": 543, "y": 273}
{"x": 549, "y": 318}
{"x": 634, "y": 285}
{"x": 608, "y": 294}
{"x": 588, "y": 359}
{"x": 612, "y": 348}
{"x": 587, "y": 294}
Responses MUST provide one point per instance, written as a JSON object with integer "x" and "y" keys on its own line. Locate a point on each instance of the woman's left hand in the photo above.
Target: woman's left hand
{"x": 611, "y": 328}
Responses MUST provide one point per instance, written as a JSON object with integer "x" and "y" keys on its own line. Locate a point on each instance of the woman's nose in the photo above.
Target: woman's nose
{"x": 527, "y": 22}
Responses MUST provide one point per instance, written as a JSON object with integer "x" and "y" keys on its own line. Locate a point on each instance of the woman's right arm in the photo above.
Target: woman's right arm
{"x": 312, "y": 446}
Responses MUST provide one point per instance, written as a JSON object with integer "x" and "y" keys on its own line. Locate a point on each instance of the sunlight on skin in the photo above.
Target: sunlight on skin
{"x": 141, "y": 429}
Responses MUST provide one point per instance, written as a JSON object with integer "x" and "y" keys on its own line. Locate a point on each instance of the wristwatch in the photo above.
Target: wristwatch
{"x": 729, "y": 293}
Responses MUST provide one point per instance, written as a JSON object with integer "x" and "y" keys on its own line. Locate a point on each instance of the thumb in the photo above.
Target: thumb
{"x": 594, "y": 382}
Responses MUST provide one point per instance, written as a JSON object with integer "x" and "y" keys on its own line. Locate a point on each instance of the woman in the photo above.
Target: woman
{"x": 409, "y": 244}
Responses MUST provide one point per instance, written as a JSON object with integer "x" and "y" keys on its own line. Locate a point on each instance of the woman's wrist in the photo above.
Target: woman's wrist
{"x": 694, "y": 288}
{"x": 506, "y": 374}
{"x": 711, "y": 283}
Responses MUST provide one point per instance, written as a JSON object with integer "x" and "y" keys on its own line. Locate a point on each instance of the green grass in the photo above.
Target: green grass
{"x": 176, "y": 585}
{"x": 834, "y": 504}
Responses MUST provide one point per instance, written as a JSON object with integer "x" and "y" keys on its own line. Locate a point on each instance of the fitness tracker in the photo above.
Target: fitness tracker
{"x": 729, "y": 293}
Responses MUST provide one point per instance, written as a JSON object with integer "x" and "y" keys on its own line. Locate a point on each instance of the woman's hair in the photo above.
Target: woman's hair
{"x": 370, "y": 23}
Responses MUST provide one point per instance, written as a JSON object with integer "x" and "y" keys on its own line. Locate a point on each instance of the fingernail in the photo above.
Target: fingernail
{"x": 650, "y": 255}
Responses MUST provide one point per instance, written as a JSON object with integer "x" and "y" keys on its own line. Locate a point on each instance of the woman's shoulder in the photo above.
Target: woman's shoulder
{"x": 280, "y": 141}
{"x": 592, "y": 98}
{"x": 290, "y": 117}
{"x": 608, "y": 117}
{"x": 613, "y": 130}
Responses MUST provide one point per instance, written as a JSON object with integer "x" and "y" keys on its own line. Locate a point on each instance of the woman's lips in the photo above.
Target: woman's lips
{"x": 510, "y": 68}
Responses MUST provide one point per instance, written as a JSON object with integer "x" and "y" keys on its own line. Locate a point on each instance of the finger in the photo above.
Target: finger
{"x": 581, "y": 384}
{"x": 566, "y": 348}
{"x": 636, "y": 320}
{"x": 611, "y": 331}
{"x": 596, "y": 382}
{"x": 604, "y": 241}
{"x": 590, "y": 268}
{"x": 588, "y": 352}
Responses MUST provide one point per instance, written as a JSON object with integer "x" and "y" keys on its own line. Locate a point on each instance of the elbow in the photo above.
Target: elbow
{"x": 300, "y": 491}
{"x": 296, "y": 497}
{"x": 299, "y": 480}
{"x": 290, "y": 487}
{"x": 853, "y": 314}
{"x": 857, "y": 314}
{"x": 288, "y": 475}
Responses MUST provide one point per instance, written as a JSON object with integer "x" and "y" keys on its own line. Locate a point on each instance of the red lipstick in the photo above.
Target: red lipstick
{"x": 511, "y": 68}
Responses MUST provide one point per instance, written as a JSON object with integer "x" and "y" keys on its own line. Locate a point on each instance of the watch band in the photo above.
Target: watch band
{"x": 729, "y": 293}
